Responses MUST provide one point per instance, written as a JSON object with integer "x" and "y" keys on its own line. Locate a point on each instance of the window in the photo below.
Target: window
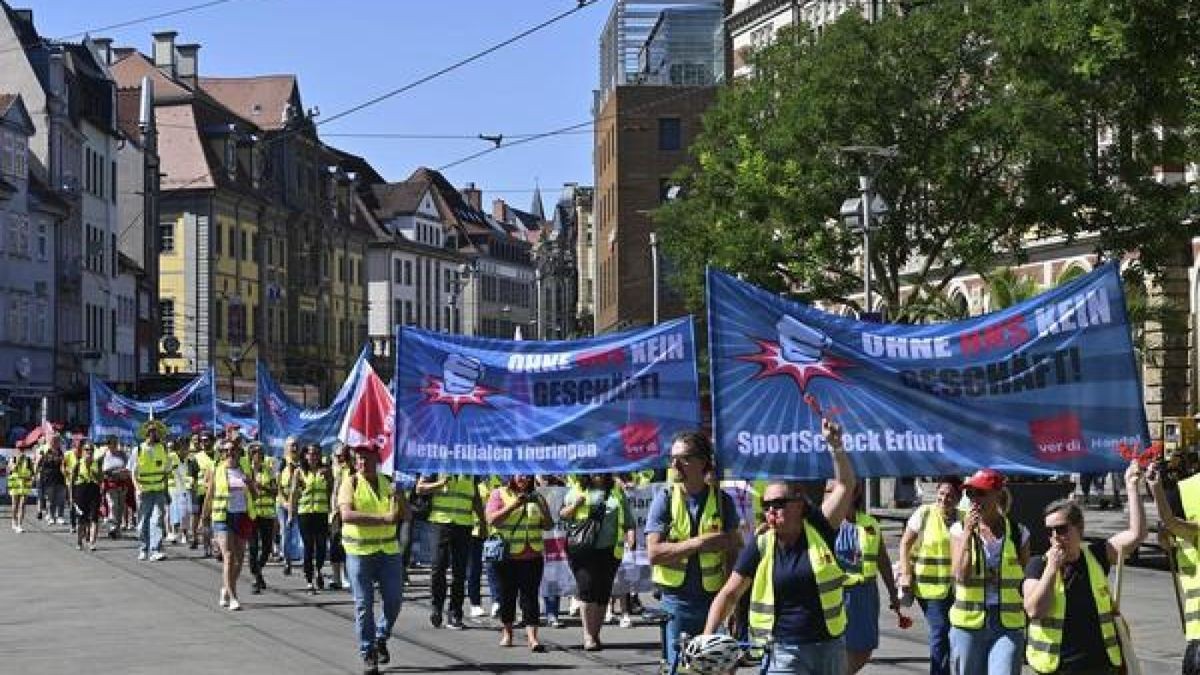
{"x": 218, "y": 233}
{"x": 408, "y": 273}
{"x": 670, "y": 134}
{"x": 218, "y": 317}
{"x": 113, "y": 191}
{"x": 232, "y": 252}
{"x": 397, "y": 271}
{"x": 166, "y": 237}
{"x": 245, "y": 250}
{"x": 166, "y": 315}
{"x": 43, "y": 243}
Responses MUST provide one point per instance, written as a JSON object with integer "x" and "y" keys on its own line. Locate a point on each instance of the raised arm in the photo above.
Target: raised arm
{"x": 1126, "y": 541}
{"x": 1184, "y": 529}
{"x": 840, "y": 499}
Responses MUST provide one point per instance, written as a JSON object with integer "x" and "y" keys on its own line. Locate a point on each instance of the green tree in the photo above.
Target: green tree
{"x": 995, "y": 110}
{"x": 1006, "y": 288}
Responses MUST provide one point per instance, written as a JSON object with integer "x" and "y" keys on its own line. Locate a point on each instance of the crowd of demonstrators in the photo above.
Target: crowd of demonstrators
{"x": 809, "y": 574}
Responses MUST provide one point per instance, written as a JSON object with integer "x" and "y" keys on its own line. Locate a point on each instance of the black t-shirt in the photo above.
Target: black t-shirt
{"x": 1082, "y": 644}
{"x": 799, "y": 618}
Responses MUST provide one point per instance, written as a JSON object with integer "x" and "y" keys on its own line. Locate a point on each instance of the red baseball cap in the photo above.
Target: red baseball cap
{"x": 985, "y": 479}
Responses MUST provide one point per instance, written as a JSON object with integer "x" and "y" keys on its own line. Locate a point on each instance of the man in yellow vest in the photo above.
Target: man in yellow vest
{"x": 370, "y": 510}
{"x": 150, "y": 468}
{"x": 795, "y": 582}
{"x": 691, "y": 537}
{"x": 456, "y": 510}
{"x": 1066, "y": 595}
{"x": 1186, "y": 533}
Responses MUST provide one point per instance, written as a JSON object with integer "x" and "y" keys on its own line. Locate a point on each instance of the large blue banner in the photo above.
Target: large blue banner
{"x": 1047, "y": 386}
{"x": 485, "y": 406}
{"x": 120, "y": 416}
{"x": 280, "y": 417}
{"x": 244, "y": 414}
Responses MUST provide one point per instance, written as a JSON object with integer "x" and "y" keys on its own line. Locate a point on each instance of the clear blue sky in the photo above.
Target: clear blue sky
{"x": 348, "y": 51}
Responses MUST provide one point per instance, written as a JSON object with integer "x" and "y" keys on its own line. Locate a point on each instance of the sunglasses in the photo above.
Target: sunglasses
{"x": 1060, "y": 530}
{"x": 779, "y": 504}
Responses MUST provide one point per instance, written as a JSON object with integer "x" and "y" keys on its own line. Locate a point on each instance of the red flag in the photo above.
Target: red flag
{"x": 372, "y": 418}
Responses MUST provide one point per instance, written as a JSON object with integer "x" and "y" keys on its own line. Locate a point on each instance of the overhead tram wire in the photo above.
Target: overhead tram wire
{"x": 572, "y": 128}
{"x": 124, "y": 24}
{"x": 579, "y": 6}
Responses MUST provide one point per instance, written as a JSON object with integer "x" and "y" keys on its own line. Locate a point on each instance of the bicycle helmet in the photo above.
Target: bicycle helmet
{"x": 711, "y": 654}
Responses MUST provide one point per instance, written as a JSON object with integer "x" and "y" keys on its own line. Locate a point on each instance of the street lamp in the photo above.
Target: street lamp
{"x": 863, "y": 211}
{"x": 466, "y": 271}
{"x": 654, "y": 274}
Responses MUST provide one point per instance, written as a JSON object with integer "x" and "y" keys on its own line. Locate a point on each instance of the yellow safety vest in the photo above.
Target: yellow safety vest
{"x": 285, "y": 483}
{"x": 20, "y": 477}
{"x": 969, "y": 609}
{"x": 712, "y": 563}
{"x": 189, "y": 482}
{"x": 521, "y": 532}
{"x": 205, "y": 463}
{"x": 87, "y": 472}
{"x": 314, "y": 494}
{"x": 1188, "y": 556}
{"x": 1043, "y": 648}
{"x": 360, "y": 539}
{"x": 150, "y": 469}
{"x": 932, "y": 563}
{"x": 220, "y": 495}
{"x": 870, "y": 539}
{"x": 616, "y": 498}
{"x": 264, "y": 503}
{"x": 829, "y": 578}
{"x": 484, "y": 488}
{"x": 454, "y": 503}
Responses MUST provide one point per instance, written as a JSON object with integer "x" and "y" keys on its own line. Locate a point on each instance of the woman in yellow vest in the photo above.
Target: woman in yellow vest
{"x": 925, "y": 573}
{"x": 863, "y": 557}
{"x": 370, "y": 510}
{"x": 20, "y": 485}
{"x": 229, "y": 505}
{"x": 519, "y": 514}
{"x": 311, "y": 484}
{"x": 264, "y": 515}
{"x": 793, "y": 577}
{"x": 988, "y": 557}
{"x": 84, "y": 478}
{"x": 1185, "y": 531}
{"x": 288, "y": 530}
{"x": 1071, "y": 627}
{"x": 596, "y": 567}
{"x": 342, "y": 470}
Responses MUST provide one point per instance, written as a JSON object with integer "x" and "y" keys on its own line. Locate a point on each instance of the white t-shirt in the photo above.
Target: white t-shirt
{"x": 991, "y": 559}
{"x": 917, "y": 520}
{"x": 237, "y": 491}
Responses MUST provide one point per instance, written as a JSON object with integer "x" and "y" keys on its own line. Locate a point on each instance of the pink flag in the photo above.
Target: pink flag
{"x": 372, "y": 418}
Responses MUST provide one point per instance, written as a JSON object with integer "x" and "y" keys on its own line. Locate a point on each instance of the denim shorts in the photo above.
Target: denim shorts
{"x": 238, "y": 523}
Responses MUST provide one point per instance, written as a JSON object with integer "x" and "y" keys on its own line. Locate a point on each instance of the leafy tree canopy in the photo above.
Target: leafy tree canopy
{"x": 1012, "y": 120}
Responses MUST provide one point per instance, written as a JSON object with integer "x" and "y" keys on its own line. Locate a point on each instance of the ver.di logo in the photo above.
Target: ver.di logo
{"x": 459, "y": 385}
{"x": 799, "y": 353}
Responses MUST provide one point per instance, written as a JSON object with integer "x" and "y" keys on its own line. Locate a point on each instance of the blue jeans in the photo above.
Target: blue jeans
{"x": 814, "y": 658}
{"x": 152, "y": 508}
{"x": 476, "y": 569}
{"x": 992, "y": 649}
{"x": 937, "y": 618}
{"x": 687, "y": 615}
{"x": 365, "y": 571}
{"x": 552, "y": 604}
{"x": 289, "y": 536}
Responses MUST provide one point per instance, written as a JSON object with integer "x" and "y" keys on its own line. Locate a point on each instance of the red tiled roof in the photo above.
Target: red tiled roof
{"x": 133, "y": 66}
{"x": 263, "y": 99}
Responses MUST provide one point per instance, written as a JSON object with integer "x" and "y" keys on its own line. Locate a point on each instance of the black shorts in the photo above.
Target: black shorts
{"x": 594, "y": 571}
{"x": 87, "y": 501}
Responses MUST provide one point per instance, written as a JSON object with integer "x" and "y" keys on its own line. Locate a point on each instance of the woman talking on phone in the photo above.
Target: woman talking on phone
{"x": 988, "y": 556}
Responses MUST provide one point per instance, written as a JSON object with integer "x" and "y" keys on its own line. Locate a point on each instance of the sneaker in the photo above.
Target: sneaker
{"x": 477, "y": 611}
{"x": 554, "y": 622}
{"x": 454, "y": 623}
{"x": 234, "y": 605}
{"x": 171, "y": 538}
{"x": 495, "y": 610}
{"x": 91, "y": 547}
{"x": 224, "y": 599}
{"x": 141, "y": 555}
{"x": 335, "y": 586}
{"x": 287, "y": 569}
{"x": 370, "y": 664}
{"x": 79, "y": 546}
{"x": 312, "y": 590}
{"x": 435, "y": 619}
{"x": 18, "y": 529}
{"x": 320, "y": 581}
{"x": 609, "y": 617}
{"x": 382, "y": 655}
{"x": 626, "y": 621}
{"x": 573, "y": 607}
{"x": 157, "y": 555}
{"x": 260, "y": 582}
{"x": 39, "y": 515}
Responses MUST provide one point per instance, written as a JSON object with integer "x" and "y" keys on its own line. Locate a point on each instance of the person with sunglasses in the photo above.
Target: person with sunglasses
{"x": 1185, "y": 533}
{"x": 925, "y": 573}
{"x": 229, "y": 506}
{"x": 989, "y": 552}
{"x": 691, "y": 538}
{"x": 794, "y": 579}
{"x": 1071, "y": 627}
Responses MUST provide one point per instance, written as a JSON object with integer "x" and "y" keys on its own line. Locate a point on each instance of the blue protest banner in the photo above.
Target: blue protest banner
{"x": 280, "y": 417}
{"x": 121, "y": 416}
{"x": 485, "y": 406}
{"x": 1046, "y": 386}
{"x": 243, "y": 413}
